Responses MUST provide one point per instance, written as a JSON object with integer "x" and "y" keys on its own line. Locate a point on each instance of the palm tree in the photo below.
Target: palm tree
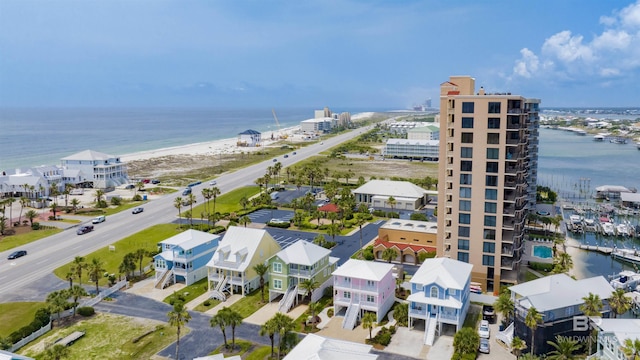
{"x": 369, "y": 322}
{"x": 466, "y": 341}
{"x": 244, "y": 220}
{"x": 99, "y": 194}
{"x": 314, "y": 308}
{"x": 70, "y": 276}
{"x": 270, "y": 328}
{"x": 76, "y": 292}
{"x": 532, "y": 320}
{"x": 333, "y": 230}
{"x": 74, "y": 204}
{"x": 243, "y": 202}
{"x": 56, "y": 352}
{"x": 219, "y": 319}
{"x": 504, "y": 305}
{"x": 592, "y": 307}
{"x": 9, "y": 201}
{"x": 232, "y": 318}
{"x": 215, "y": 191}
{"x": 67, "y": 190}
{"x": 562, "y": 263}
{"x": 260, "y": 270}
{"x": 309, "y": 285}
{"x": 392, "y": 202}
{"x": 401, "y": 313}
{"x": 96, "y": 268}
{"x": 77, "y": 266}
{"x": 23, "y": 202}
{"x": 177, "y": 203}
{"x": 517, "y": 345}
{"x": 631, "y": 348}
{"x": 31, "y": 214}
{"x": 57, "y": 301}
{"x": 139, "y": 255}
{"x": 619, "y": 302}
{"x": 285, "y": 324}
{"x": 206, "y": 194}
{"x": 191, "y": 199}
{"x": 359, "y": 221}
{"x": 389, "y": 254}
{"x": 319, "y": 240}
{"x": 178, "y": 317}
{"x": 564, "y": 348}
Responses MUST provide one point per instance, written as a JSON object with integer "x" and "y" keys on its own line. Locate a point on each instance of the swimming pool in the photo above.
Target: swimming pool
{"x": 544, "y": 252}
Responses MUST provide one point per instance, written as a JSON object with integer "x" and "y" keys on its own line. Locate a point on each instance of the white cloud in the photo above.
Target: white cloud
{"x": 527, "y": 64}
{"x": 612, "y": 39}
{"x": 567, "y": 48}
{"x": 630, "y": 16}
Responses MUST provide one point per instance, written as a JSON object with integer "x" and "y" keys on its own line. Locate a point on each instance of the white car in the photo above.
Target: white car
{"x": 484, "y": 330}
{"x": 212, "y": 183}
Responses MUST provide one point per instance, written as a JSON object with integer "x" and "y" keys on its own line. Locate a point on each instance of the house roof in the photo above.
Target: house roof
{"x": 6, "y": 355}
{"x": 446, "y": 273}
{"x": 330, "y": 207}
{"x": 630, "y": 197}
{"x": 218, "y": 357}
{"x": 237, "y": 247}
{"x": 416, "y": 142}
{"x": 250, "y": 132}
{"x": 403, "y": 189}
{"x": 622, "y": 328}
{"x": 316, "y": 347}
{"x": 560, "y": 291}
{"x": 428, "y": 227}
{"x": 425, "y": 129}
{"x": 303, "y": 252}
{"x": 189, "y": 239}
{"x": 613, "y": 188}
{"x": 89, "y": 155}
{"x": 361, "y": 269}
{"x": 402, "y": 246}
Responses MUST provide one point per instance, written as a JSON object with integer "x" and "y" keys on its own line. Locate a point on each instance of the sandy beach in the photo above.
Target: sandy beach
{"x": 225, "y": 146}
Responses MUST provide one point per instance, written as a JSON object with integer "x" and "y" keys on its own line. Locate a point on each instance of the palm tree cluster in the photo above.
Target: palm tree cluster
{"x": 227, "y": 317}
{"x": 282, "y": 326}
{"x": 178, "y": 317}
{"x": 58, "y": 301}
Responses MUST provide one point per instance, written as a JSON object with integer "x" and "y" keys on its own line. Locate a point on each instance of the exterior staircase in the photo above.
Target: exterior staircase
{"x": 287, "y": 299}
{"x": 215, "y": 294}
{"x": 220, "y": 286}
{"x": 164, "y": 278}
{"x": 430, "y": 331}
{"x": 351, "y": 316}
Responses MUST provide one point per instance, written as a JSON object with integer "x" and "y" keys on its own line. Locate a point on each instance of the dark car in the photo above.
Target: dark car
{"x": 137, "y": 210}
{"x": 84, "y": 229}
{"x": 155, "y": 181}
{"x": 294, "y": 153}
{"x": 17, "y": 254}
{"x": 275, "y": 160}
{"x": 286, "y": 156}
{"x": 489, "y": 314}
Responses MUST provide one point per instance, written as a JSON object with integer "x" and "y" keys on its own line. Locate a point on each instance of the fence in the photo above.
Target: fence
{"x": 91, "y": 302}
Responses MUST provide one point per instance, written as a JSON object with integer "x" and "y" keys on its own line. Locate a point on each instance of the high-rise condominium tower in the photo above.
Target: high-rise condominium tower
{"x": 487, "y": 178}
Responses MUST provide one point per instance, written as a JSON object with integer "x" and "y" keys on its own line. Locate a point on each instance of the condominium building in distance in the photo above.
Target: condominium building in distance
{"x": 487, "y": 177}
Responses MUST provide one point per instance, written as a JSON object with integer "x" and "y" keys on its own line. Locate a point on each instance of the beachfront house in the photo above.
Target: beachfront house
{"x": 440, "y": 291}
{"x": 558, "y": 298}
{"x": 249, "y": 138}
{"x": 612, "y": 334}
{"x": 183, "y": 257}
{"x": 429, "y": 132}
{"x": 231, "y": 266}
{"x": 317, "y": 347}
{"x": 407, "y": 196}
{"x": 299, "y": 262}
{"x": 412, "y": 149}
{"x": 360, "y": 286}
{"x": 411, "y": 239}
{"x": 103, "y": 171}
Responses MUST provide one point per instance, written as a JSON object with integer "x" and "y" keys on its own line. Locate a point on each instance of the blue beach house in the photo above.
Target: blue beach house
{"x": 183, "y": 258}
{"x": 440, "y": 292}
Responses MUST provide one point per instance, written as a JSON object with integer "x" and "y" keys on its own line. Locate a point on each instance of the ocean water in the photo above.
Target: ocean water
{"x": 31, "y": 137}
{"x": 574, "y": 166}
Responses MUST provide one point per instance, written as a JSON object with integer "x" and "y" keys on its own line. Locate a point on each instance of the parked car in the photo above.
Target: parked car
{"x": 213, "y": 183}
{"x": 484, "y": 330}
{"x": 489, "y": 314}
{"x": 146, "y": 181}
{"x": 155, "y": 181}
{"x": 137, "y": 210}
{"x": 186, "y": 192}
{"x": 275, "y": 160}
{"x": 484, "y": 346}
{"x": 129, "y": 186}
{"x": 294, "y": 153}
{"x": 99, "y": 219}
{"x": 17, "y": 254}
{"x": 286, "y": 156}
{"x": 84, "y": 229}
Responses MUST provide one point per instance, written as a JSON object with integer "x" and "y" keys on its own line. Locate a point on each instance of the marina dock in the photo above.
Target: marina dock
{"x": 596, "y": 248}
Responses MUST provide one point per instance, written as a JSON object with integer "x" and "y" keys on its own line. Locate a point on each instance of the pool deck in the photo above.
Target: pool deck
{"x": 528, "y": 252}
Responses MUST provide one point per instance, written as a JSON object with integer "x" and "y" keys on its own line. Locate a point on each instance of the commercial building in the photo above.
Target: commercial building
{"x": 487, "y": 178}
{"x": 376, "y": 193}
{"x": 314, "y": 126}
{"x": 412, "y": 149}
{"x": 429, "y": 132}
{"x": 411, "y": 239}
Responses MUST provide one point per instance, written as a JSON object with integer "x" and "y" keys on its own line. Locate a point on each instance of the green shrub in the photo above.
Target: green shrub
{"x": 206, "y": 302}
{"x": 279, "y": 225}
{"x": 418, "y": 217}
{"x": 136, "y": 197}
{"x": 383, "y": 337}
{"x": 368, "y": 253}
{"x": 540, "y": 266}
{"x": 393, "y": 215}
{"x": 35, "y": 226}
{"x": 116, "y": 201}
{"x": 86, "y": 311}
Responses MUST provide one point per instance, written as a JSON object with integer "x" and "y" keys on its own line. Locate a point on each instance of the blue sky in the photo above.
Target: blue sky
{"x": 381, "y": 54}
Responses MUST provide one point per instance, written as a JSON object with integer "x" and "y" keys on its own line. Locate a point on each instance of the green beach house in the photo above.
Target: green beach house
{"x": 295, "y": 264}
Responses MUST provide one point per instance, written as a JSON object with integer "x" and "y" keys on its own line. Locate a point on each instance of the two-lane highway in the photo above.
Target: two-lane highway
{"x": 52, "y": 252}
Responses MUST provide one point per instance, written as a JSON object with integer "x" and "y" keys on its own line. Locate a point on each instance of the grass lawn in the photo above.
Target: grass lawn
{"x": 12, "y": 241}
{"x": 190, "y": 292}
{"x": 473, "y": 316}
{"x": 248, "y": 304}
{"x": 528, "y": 276}
{"x": 146, "y": 239}
{"x": 110, "y": 336}
{"x": 260, "y": 353}
{"x": 202, "y": 307}
{"x": 300, "y": 321}
{"x": 227, "y": 202}
{"x": 15, "y": 315}
{"x": 242, "y": 346}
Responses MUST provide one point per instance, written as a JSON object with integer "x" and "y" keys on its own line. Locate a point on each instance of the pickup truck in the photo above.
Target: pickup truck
{"x": 84, "y": 229}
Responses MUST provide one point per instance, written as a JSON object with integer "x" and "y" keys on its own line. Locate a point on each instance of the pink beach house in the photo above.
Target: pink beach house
{"x": 360, "y": 286}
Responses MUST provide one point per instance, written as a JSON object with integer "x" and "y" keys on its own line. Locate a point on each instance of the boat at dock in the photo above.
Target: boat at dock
{"x": 608, "y": 229}
{"x": 626, "y": 255}
{"x": 598, "y": 137}
{"x": 622, "y": 229}
{"x": 626, "y": 279}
